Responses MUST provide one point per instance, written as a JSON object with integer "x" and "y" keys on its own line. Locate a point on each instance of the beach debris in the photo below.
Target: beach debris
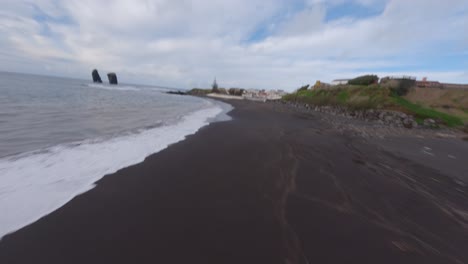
{"x": 445, "y": 135}
{"x": 427, "y": 151}
{"x": 403, "y": 246}
{"x": 112, "y": 78}
{"x": 96, "y": 77}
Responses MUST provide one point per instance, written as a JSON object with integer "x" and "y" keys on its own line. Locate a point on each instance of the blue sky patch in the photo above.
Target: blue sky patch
{"x": 353, "y": 9}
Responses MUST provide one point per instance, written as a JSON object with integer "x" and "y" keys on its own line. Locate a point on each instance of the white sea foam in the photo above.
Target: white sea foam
{"x": 114, "y": 87}
{"x": 32, "y": 186}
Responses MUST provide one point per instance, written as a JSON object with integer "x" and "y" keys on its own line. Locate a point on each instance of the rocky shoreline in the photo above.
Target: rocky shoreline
{"x": 382, "y": 117}
{"x": 373, "y": 123}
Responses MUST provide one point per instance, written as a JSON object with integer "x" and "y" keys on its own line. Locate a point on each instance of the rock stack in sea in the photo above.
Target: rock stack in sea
{"x": 112, "y": 78}
{"x": 96, "y": 77}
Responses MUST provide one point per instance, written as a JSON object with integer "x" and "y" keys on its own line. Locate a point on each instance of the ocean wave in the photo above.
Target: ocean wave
{"x": 32, "y": 186}
{"x": 113, "y": 87}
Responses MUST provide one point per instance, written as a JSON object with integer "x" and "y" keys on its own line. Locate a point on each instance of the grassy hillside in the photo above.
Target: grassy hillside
{"x": 374, "y": 97}
{"x": 449, "y": 101}
{"x": 352, "y": 96}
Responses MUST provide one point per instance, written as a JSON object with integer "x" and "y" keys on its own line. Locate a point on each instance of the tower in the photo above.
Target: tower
{"x": 214, "y": 87}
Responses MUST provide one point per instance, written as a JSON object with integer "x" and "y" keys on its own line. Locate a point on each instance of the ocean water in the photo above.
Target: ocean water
{"x": 59, "y": 136}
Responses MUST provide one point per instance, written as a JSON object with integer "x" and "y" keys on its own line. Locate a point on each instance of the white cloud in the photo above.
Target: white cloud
{"x": 186, "y": 43}
{"x": 306, "y": 21}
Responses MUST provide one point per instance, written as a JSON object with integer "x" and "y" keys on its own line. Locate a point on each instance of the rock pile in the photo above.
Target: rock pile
{"x": 383, "y": 117}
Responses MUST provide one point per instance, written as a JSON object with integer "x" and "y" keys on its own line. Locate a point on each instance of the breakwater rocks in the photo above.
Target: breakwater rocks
{"x": 176, "y": 92}
{"x": 383, "y": 117}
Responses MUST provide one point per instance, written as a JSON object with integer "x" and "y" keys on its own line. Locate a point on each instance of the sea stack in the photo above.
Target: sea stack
{"x": 96, "y": 77}
{"x": 112, "y": 78}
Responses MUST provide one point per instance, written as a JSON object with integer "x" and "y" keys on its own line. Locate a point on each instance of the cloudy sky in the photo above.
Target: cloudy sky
{"x": 277, "y": 44}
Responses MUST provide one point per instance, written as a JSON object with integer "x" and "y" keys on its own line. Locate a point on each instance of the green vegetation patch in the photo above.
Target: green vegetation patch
{"x": 343, "y": 96}
{"x": 375, "y": 96}
{"x": 364, "y": 80}
{"x": 352, "y": 96}
{"x": 199, "y": 91}
{"x": 421, "y": 112}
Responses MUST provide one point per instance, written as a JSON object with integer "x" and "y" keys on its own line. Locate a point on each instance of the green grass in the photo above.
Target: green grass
{"x": 199, "y": 91}
{"x": 343, "y": 96}
{"x": 421, "y": 113}
{"x": 360, "y": 97}
{"x": 352, "y": 96}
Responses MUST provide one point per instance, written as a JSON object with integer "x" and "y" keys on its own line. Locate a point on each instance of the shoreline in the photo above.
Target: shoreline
{"x": 270, "y": 186}
{"x": 36, "y": 177}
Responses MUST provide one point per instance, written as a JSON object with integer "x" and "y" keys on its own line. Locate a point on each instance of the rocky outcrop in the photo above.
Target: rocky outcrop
{"x": 112, "y": 78}
{"x": 177, "y": 92}
{"x": 96, "y": 77}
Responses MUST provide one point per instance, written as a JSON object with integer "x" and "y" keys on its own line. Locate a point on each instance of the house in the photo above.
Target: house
{"x": 428, "y": 84}
{"x": 340, "y": 81}
{"x": 263, "y": 95}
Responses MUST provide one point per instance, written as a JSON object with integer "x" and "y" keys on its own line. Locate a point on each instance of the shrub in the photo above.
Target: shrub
{"x": 198, "y": 91}
{"x": 303, "y": 88}
{"x": 236, "y": 91}
{"x": 403, "y": 86}
{"x": 364, "y": 80}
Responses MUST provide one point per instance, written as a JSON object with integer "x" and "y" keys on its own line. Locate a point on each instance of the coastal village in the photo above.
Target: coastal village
{"x": 247, "y": 94}
{"x": 398, "y": 101}
{"x": 234, "y": 132}
{"x": 262, "y": 95}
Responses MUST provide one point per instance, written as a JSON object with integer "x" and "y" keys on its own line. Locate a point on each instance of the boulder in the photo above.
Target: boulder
{"x": 388, "y": 119}
{"x": 408, "y": 123}
{"x": 96, "y": 77}
{"x": 112, "y": 78}
{"x": 430, "y": 123}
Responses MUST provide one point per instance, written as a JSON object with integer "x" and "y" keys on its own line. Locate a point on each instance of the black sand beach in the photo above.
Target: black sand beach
{"x": 270, "y": 186}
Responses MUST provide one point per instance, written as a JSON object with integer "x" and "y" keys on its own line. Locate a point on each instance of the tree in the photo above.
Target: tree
{"x": 364, "y": 80}
{"x": 303, "y": 88}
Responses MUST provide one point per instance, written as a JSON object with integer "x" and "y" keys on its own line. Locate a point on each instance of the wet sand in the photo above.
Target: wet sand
{"x": 270, "y": 186}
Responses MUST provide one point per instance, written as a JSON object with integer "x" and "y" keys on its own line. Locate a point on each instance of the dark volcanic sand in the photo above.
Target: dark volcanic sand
{"x": 270, "y": 186}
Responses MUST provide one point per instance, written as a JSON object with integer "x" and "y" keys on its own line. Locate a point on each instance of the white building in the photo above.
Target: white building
{"x": 340, "y": 81}
{"x": 262, "y": 95}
